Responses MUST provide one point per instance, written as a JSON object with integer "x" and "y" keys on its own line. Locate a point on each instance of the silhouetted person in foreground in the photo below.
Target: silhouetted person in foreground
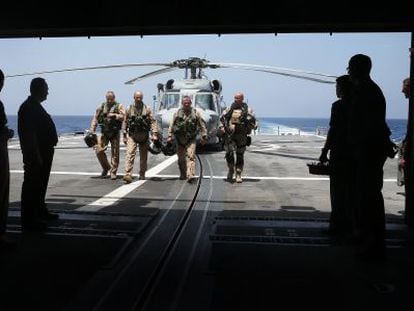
{"x": 38, "y": 137}
{"x": 5, "y": 134}
{"x": 340, "y": 222}
{"x": 368, "y": 138}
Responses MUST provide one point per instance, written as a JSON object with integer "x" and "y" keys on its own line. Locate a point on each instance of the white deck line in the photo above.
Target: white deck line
{"x": 62, "y": 173}
{"x": 122, "y": 191}
{"x": 268, "y": 178}
{"x": 151, "y": 173}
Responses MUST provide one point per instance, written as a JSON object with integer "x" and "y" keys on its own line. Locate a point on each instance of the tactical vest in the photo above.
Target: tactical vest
{"x": 138, "y": 120}
{"x": 185, "y": 126}
{"x": 109, "y": 126}
{"x": 239, "y": 121}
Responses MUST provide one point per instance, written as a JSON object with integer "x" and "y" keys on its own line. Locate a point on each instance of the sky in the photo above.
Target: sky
{"x": 79, "y": 93}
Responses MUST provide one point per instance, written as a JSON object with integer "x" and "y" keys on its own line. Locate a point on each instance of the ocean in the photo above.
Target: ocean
{"x": 273, "y": 126}
{"x": 307, "y": 126}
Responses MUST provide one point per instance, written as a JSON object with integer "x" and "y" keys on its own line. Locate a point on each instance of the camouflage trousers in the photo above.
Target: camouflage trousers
{"x": 131, "y": 153}
{"x": 231, "y": 148}
{"x": 100, "y": 149}
{"x": 186, "y": 159}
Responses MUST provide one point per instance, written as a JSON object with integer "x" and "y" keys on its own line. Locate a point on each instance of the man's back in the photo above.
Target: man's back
{"x": 35, "y": 125}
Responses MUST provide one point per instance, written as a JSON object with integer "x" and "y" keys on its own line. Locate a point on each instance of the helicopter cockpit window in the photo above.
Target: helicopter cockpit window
{"x": 205, "y": 101}
{"x": 170, "y": 101}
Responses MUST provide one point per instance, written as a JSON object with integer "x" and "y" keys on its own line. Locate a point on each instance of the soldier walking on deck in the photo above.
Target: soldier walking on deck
{"x": 237, "y": 122}
{"x": 184, "y": 126}
{"x": 138, "y": 122}
{"x": 109, "y": 116}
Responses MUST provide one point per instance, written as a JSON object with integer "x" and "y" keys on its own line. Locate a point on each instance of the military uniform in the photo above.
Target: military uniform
{"x": 138, "y": 122}
{"x": 184, "y": 126}
{"x": 110, "y": 129}
{"x": 237, "y": 121}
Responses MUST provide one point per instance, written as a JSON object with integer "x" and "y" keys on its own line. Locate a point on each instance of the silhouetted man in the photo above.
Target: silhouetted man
{"x": 5, "y": 134}
{"x": 369, "y": 140}
{"x": 38, "y": 137}
{"x": 340, "y": 222}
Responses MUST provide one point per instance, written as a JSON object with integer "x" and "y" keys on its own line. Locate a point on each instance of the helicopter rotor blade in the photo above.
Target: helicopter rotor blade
{"x": 309, "y": 75}
{"x": 193, "y": 63}
{"x": 293, "y": 75}
{"x": 89, "y": 68}
{"x": 150, "y": 74}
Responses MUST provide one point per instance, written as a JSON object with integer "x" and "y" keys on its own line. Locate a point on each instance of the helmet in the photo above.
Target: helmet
{"x": 91, "y": 139}
{"x": 169, "y": 149}
{"x": 155, "y": 147}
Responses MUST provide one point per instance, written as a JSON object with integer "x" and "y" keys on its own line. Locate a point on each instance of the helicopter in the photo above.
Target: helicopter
{"x": 204, "y": 92}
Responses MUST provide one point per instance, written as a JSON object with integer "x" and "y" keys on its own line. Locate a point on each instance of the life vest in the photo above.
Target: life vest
{"x": 138, "y": 120}
{"x": 185, "y": 126}
{"x": 109, "y": 126}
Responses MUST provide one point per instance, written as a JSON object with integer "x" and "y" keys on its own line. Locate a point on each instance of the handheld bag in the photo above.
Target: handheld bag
{"x": 318, "y": 168}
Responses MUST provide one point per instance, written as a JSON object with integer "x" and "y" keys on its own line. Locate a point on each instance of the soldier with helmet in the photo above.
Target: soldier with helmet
{"x": 236, "y": 124}
{"x": 138, "y": 123}
{"x": 186, "y": 123}
{"x": 109, "y": 116}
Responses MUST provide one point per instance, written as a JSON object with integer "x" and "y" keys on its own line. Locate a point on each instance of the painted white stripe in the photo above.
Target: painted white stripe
{"x": 62, "y": 173}
{"x": 13, "y": 146}
{"x": 268, "y": 178}
{"x": 148, "y": 174}
{"x": 122, "y": 191}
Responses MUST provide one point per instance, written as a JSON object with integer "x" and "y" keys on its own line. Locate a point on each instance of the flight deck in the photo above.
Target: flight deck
{"x": 165, "y": 244}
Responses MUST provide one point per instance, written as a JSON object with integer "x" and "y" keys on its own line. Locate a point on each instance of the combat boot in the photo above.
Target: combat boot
{"x": 127, "y": 179}
{"x": 230, "y": 175}
{"x": 238, "y": 176}
{"x": 183, "y": 175}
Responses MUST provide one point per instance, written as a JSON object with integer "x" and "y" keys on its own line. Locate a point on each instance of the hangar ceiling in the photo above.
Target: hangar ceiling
{"x": 108, "y": 18}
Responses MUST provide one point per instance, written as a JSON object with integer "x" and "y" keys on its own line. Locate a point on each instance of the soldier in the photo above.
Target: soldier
{"x": 184, "y": 126}
{"x": 138, "y": 121}
{"x": 237, "y": 122}
{"x": 109, "y": 115}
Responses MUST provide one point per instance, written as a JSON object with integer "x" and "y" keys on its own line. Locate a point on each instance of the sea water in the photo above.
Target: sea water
{"x": 267, "y": 126}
